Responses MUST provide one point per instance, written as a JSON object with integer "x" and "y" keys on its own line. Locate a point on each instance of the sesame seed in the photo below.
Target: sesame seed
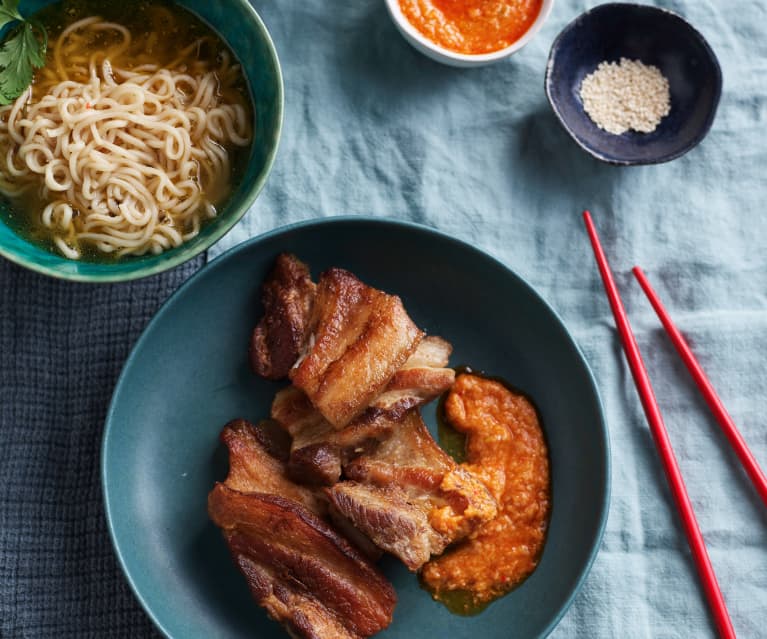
{"x": 626, "y": 95}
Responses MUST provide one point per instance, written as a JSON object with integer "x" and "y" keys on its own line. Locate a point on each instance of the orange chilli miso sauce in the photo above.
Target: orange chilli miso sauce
{"x": 506, "y": 449}
{"x": 472, "y": 26}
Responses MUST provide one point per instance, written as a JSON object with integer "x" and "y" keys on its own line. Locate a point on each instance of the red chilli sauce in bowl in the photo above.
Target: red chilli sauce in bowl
{"x": 469, "y": 32}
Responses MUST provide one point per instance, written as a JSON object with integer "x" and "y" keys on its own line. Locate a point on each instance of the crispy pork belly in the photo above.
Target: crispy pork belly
{"x": 391, "y": 520}
{"x": 287, "y": 296}
{"x": 360, "y": 337}
{"x": 258, "y": 457}
{"x": 296, "y": 565}
{"x": 350, "y": 347}
{"x": 254, "y": 468}
{"x": 423, "y": 377}
{"x": 306, "y": 575}
{"x": 318, "y": 450}
{"x": 410, "y": 458}
{"x": 409, "y": 497}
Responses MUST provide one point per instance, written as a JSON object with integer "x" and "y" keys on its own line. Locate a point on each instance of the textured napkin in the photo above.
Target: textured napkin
{"x": 372, "y": 127}
{"x": 62, "y": 346}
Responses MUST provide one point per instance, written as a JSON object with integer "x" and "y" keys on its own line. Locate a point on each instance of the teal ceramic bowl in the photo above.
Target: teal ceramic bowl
{"x": 188, "y": 375}
{"x": 240, "y": 26}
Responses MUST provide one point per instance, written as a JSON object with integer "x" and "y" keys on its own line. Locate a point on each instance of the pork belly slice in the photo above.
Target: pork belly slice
{"x": 390, "y": 519}
{"x": 360, "y": 337}
{"x": 254, "y": 468}
{"x": 257, "y": 463}
{"x": 409, "y": 497}
{"x": 422, "y": 378}
{"x": 318, "y": 450}
{"x": 258, "y": 496}
{"x": 340, "y": 341}
{"x": 411, "y": 459}
{"x": 306, "y": 575}
{"x": 287, "y": 296}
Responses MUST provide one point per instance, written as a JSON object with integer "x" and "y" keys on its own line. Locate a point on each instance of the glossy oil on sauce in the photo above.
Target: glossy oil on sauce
{"x": 472, "y": 26}
{"x": 504, "y": 447}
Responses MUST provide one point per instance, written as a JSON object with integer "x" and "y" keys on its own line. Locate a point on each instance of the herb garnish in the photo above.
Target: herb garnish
{"x": 20, "y": 53}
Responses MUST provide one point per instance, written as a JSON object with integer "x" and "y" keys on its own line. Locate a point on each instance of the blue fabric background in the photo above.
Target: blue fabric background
{"x": 372, "y": 127}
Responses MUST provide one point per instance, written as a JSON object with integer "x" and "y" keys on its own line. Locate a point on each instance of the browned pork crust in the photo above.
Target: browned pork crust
{"x": 303, "y": 572}
{"x": 318, "y": 450}
{"x": 253, "y": 469}
{"x": 409, "y": 497}
{"x": 308, "y": 576}
{"x": 278, "y": 339}
{"x": 360, "y": 337}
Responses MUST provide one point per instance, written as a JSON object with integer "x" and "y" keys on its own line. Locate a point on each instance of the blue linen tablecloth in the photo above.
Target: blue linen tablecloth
{"x": 372, "y": 127}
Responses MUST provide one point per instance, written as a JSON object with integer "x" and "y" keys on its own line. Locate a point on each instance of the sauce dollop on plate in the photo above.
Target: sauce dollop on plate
{"x": 506, "y": 449}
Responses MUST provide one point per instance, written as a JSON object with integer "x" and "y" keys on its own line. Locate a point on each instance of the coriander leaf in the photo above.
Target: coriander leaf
{"x": 18, "y": 57}
{"x": 37, "y": 48}
{"x": 9, "y": 11}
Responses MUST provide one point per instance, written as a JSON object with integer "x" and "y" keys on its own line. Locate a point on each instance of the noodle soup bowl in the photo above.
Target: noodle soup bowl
{"x": 240, "y": 27}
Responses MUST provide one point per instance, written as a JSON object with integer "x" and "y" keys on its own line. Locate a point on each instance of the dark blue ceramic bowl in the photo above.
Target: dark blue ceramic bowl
{"x": 638, "y": 32}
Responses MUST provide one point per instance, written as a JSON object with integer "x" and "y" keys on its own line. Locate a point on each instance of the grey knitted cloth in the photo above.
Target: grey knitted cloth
{"x": 62, "y": 346}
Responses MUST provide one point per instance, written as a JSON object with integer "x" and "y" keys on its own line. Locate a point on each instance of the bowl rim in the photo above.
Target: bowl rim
{"x": 360, "y": 220}
{"x": 181, "y": 254}
{"x": 469, "y": 59}
{"x": 660, "y": 11}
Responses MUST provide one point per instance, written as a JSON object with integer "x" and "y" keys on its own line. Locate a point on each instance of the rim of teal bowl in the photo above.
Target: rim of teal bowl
{"x": 362, "y": 220}
{"x": 231, "y": 217}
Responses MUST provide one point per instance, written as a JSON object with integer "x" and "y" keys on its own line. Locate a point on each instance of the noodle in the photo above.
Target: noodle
{"x": 123, "y": 154}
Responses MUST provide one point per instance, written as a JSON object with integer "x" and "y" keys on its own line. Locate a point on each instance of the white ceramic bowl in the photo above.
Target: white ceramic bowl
{"x": 453, "y": 58}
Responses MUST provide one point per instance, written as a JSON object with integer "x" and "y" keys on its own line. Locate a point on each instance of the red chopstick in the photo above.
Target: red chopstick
{"x": 662, "y": 443}
{"x": 707, "y": 390}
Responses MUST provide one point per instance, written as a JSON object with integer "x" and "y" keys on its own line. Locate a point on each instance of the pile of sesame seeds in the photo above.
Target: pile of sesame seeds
{"x": 626, "y": 95}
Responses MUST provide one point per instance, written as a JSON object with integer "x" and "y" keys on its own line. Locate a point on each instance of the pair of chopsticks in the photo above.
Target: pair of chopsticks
{"x": 658, "y": 429}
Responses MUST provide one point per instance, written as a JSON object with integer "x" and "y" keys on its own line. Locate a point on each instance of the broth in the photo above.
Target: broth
{"x": 159, "y": 33}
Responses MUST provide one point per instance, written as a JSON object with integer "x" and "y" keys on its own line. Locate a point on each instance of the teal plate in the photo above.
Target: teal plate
{"x": 188, "y": 375}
